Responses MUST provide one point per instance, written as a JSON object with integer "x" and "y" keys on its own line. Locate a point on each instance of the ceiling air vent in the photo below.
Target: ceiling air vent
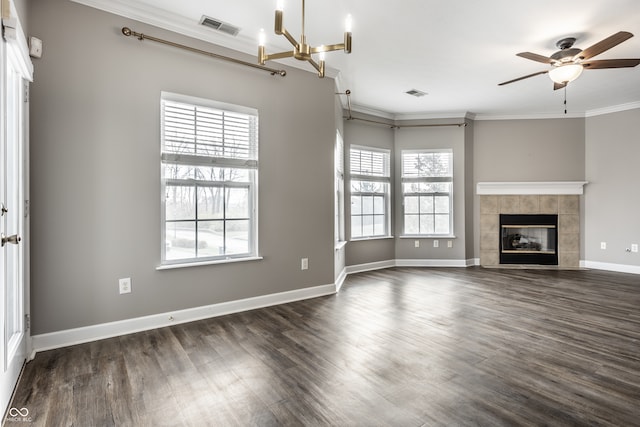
{"x": 218, "y": 25}
{"x": 415, "y": 92}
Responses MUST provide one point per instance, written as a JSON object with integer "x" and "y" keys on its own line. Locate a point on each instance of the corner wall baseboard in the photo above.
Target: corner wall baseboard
{"x": 361, "y": 268}
{"x": 85, "y": 334}
{"x": 620, "y": 268}
{"x": 340, "y": 279}
{"x": 430, "y": 263}
{"x": 370, "y": 266}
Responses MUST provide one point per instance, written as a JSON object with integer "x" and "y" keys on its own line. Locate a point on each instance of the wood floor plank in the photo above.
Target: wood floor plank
{"x": 399, "y": 346}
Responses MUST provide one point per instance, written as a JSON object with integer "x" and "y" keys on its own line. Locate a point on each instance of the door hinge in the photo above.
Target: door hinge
{"x": 26, "y": 91}
{"x": 27, "y": 322}
{"x": 27, "y": 206}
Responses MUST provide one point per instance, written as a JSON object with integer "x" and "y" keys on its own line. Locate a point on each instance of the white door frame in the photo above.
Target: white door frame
{"x": 14, "y": 53}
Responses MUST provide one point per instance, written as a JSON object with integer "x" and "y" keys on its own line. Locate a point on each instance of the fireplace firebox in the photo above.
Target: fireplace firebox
{"x": 529, "y": 239}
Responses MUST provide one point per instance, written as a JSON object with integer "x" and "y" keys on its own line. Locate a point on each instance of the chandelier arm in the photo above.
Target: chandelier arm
{"x": 318, "y": 67}
{"x": 327, "y": 48}
{"x": 279, "y": 55}
{"x": 289, "y": 37}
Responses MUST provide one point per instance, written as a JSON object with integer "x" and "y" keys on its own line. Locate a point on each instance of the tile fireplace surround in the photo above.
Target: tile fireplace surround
{"x": 556, "y": 198}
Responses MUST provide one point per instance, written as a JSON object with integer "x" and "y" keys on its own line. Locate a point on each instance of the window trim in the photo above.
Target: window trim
{"x": 372, "y": 178}
{"x": 193, "y": 160}
{"x": 427, "y": 179}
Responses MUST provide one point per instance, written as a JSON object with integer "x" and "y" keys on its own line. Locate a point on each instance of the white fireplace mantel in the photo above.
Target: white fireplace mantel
{"x": 551, "y": 187}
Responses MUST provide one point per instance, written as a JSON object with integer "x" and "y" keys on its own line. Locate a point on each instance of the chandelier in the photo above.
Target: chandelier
{"x": 301, "y": 50}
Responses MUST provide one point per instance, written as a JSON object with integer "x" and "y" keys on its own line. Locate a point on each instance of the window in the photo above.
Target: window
{"x": 427, "y": 181}
{"x": 209, "y": 180}
{"x": 370, "y": 176}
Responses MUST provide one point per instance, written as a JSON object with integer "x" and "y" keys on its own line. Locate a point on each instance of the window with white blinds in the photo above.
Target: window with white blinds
{"x": 209, "y": 178}
{"x": 370, "y": 192}
{"x": 427, "y": 183}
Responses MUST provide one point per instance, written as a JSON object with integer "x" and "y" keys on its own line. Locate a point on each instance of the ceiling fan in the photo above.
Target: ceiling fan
{"x": 568, "y": 63}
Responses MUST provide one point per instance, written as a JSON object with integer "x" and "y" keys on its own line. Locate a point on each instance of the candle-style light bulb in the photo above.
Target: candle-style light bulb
{"x": 262, "y": 37}
{"x": 280, "y": 5}
{"x": 348, "y": 23}
{"x": 321, "y": 54}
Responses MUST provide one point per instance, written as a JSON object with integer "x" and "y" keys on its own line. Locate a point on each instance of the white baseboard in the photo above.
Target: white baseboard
{"x": 340, "y": 280}
{"x": 430, "y": 263}
{"x": 360, "y": 268}
{"x": 620, "y": 268}
{"x": 113, "y": 329}
{"x": 370, "y": 266}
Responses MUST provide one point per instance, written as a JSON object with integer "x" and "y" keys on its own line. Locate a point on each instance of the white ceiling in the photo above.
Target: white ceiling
{"x": 455, "y": 50}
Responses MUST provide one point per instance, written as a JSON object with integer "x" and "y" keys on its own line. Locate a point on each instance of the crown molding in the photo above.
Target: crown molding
{"x": 533, "y": 116}
{"x": 612, "y": 109}
{"x": 372, "y": 112}
{"x": 431, "y": 116}
{"x": 172, "y": 22}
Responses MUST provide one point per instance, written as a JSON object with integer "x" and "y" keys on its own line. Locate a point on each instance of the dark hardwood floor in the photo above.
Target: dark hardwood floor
{"x": 397, "y": 347}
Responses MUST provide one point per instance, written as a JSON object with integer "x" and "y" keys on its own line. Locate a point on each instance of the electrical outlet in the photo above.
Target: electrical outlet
{"x": 436, "y": 243}
{"x": 304, "y": 264}
{"x": 603, "y": 245}
{"x": 125, "y": 285}
{"x": 449, "y": 243}
{"x": 634, "y": 247}
{"x": 416, "y": 243}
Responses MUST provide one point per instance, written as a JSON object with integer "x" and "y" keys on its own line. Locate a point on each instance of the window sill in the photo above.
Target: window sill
{"x": 341, "y": 244}
{"x": 211, "y": 262}
{"x": 366, "y": 239}
{"x": 428, "y": 236}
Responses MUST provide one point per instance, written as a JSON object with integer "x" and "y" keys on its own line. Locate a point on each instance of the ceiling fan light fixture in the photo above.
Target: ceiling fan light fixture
{"x": 565, "y": 73}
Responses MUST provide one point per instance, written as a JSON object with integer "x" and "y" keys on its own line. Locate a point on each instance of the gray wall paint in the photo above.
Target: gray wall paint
{"x": 370, "y": 135}
{"x": 469, "y": 190}
{"x": 95, "y": 174}
{"x": 433, "y": 137}
{"x": 612, "y": 197}
{"x": 527, "y": 150}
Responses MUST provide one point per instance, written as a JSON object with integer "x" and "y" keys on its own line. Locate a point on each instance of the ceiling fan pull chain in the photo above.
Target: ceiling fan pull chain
{"x": 565, "y": 100}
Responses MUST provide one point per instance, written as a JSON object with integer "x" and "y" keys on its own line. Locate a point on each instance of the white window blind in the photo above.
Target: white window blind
{"x": 420, "y": 164}
{"x": 199, "y": 134}
{"x": 370, "y": 162}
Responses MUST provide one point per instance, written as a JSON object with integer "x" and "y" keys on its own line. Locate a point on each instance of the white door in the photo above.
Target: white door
{"x": 13, "y": 334}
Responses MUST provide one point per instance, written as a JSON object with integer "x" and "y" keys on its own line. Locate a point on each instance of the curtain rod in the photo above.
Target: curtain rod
{"x": 392, "y": 126}
{"x": 129, "y": 32}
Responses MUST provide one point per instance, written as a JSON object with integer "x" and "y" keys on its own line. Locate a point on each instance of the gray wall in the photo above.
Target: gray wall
{"x": 612, "y": 197}
{"x": 452, "y": 137}
{"x": 527, "y": 150}
{"x": 371, "y": 135}
{"x": 95, "y": 173}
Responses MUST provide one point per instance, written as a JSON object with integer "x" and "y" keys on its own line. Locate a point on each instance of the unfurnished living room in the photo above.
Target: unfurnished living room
{"x": 323, "y": 213}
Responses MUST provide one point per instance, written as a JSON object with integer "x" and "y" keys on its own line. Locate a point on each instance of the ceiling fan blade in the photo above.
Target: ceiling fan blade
{"x": 557, "y": 86}
{"x": 522, "y": 78}
{"x": 604, "y": 45}
{"x": 534, "y": 57}
{"x": 611, "y": 63}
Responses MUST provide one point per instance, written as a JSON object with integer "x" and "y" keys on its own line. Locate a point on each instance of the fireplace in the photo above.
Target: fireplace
{"x": 559, "y": 199}
{"x": 528, "y": 239}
